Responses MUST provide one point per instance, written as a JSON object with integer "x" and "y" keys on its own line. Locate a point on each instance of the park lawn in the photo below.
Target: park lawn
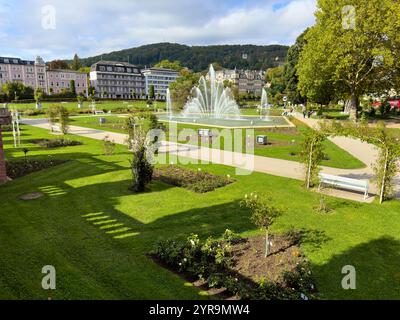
{"x": 97, "y": 233}
{"x": 286, "y": 142}
{"x": 100, "y": 105}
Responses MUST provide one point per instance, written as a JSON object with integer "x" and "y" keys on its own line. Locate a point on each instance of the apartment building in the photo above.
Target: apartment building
{"x": 160, "y": 78}
{"x": 118, "y": 80}
{"x": 35, "y": 74}
{"x": 247, "y": 81}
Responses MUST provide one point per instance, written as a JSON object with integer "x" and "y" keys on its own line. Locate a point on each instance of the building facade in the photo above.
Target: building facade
{"x": 161, "y": 79}
{"x": 247, "y": 81}
{"x": 35, "y": 74}
{"x": 117, "y": 80}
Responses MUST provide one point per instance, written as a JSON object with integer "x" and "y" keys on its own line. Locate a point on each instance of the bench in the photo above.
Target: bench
{"x": 344, "y": 183}
{"x": 98, "y": 112}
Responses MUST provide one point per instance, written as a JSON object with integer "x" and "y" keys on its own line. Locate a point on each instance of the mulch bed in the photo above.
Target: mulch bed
{"x": 197, "y": 181}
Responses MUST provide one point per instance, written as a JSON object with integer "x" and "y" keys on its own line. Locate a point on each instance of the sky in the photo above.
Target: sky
{"x": 57, "y": 29}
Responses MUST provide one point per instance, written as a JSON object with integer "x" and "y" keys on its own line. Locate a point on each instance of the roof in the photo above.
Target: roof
{"x": 114, "y": 63}
{"x": 17, "y": 61}
{"x": 160, "y": 69}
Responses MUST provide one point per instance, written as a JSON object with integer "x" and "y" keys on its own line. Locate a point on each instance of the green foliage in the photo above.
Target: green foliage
{"x": 108, "y": 146}
{"x": 182, "y": 87}
{"x": 341, "y": 60}
{"x": 19, "y": 168}
{"x": 213, "y": 262}
{"x": 38, "y": 95}
{"x": 76, "y": 63}
{"x": 263, "y": 214}
{"x": 151, "y": 92}
{"x": 17, "y": 90}
{"x": 60, "y": 115}
{"x": 141, "y": 166}
{"x": 386, "y": 167}
{"x": 175, "y": 65}
{"x": 72, "y": 87}
{"x": 58, "y": 65}
{"x": 56, "y": 143}
{"x": 312, "y": 154}
{"x": 198, "y": 58}
{"x": 276, "y": 78}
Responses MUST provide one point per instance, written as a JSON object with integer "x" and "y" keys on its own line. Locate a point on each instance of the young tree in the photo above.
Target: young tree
{"x": 141, "y": 166}
{"x": 353, "y": 49}
{"x": 386, "y": 166}
{"x": 60, "y": 115}
{"x": 263, "y": 214}
{"x": 72, "y": 87}
{"x": 312, "y": 154}
{"x": 76, "y": 63}
{"x": 151, "y": 92}
{"x": 38, "y": 97}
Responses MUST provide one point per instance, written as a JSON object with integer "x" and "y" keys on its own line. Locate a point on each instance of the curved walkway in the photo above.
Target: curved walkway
{"x": 245, "y": 162}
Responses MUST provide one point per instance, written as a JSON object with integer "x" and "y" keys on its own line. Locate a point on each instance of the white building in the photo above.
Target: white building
{"x": 160, "y": 78}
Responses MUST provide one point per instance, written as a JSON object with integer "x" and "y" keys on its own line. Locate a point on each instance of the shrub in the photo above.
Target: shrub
{"x": 56, "y": 143}
{"x": 197, "y": 181}
{"x": 108, "y": 146}
{"x": 19, "y": 168}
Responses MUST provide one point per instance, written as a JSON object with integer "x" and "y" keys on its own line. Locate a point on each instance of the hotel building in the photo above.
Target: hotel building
{"x": 36, "y": 75}
{"x": 247, "y": 81}
{"x": 160, "y": 78}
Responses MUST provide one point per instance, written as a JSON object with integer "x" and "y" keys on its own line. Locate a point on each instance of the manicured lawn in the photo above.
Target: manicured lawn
{"x": 97, "y": 233}
{"x": 286, "y": 143}
{"x": 100, "y": 105}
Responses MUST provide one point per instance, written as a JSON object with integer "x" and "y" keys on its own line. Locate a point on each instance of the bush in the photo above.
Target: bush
{"x": 19, "y": 168}
{"x": 33, "y": 112}
{"x": 56, "y": 143}
{"x": 212, "y": 261}
{"x": 108, "y": 146}
{"x": 197, "y": 181}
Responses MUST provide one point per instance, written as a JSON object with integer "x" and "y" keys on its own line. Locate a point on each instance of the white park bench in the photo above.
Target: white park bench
{"x": 98, "y": 112}
{"x": 345, "y": 183}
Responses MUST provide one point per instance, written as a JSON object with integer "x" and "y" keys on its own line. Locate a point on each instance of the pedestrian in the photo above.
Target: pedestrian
{"x": 304, "y": 110}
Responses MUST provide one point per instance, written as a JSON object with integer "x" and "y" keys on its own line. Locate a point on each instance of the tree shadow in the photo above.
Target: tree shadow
{"x": 377, "y": 265}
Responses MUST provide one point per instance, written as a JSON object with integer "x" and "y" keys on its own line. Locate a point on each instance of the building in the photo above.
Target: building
{"x": 160, "y": 78}
{"x": 35, "y": 74}
{"x": 118, "y": 80}
{"x": 60, "y": 80}
{"x": 247, "y": 81}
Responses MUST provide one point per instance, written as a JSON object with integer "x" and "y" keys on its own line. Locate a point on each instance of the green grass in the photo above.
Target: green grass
{"x": 286, "y": 142}
{"x": 96, "y": 233}
{"x": 100, "y": 105}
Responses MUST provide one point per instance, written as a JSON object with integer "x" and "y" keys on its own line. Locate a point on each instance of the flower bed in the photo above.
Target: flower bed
{"x": 19, "y": 168}
{"x": 197, "y": 181}
{"x": 56, "y": 143}
{"x": 239, "y": 267}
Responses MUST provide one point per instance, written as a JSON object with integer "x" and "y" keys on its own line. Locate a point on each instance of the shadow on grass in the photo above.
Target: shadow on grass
{"x": 377, "y": 265}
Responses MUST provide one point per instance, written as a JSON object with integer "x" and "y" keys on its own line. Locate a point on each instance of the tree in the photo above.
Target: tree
{"x": 141, "y": 163}
{"x": 352, "y": 50}
{"x": 312, "y": 154}
{"x": 144, "y": 121}
{"x": 58, "y": 65}
{"x": 76, "y": 63}
{"x": 17, "y": 90}
{"x": 263, "y": 214}
{"x": 59, "y": 114}
{"x": 72, "y": 87}
{"x": 151, "y": 92}
{"x": 38, "y": 96}
{"x": 176, "y": 65}
{"x": 290, "y": 69}
{"x": 386, "y": 166}
{"x": 182, "y": 87}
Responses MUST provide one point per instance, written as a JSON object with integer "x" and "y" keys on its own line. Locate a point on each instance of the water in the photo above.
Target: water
{"x": 169, "y": 104}
{"x": 264, "y": 107}
{"x": 211, "y": 100}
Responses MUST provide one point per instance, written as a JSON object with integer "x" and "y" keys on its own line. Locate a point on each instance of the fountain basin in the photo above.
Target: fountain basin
{"x": 228, "y": 122}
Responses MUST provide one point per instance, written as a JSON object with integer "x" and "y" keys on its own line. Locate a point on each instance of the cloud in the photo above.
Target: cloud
{"x": 91, "y": 27}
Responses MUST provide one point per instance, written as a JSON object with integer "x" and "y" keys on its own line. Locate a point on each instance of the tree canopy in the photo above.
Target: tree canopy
{"x": 352, "y": 50}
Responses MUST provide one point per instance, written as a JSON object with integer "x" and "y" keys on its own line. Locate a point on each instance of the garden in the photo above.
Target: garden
{"x": 102, "y": 237}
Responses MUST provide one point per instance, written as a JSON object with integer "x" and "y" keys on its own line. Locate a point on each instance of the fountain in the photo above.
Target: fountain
{"x": 211, "y": 100}
{"x": 264, "y": 107}
{"x": 169, "y": 104}
{"x": 211, "y": 104}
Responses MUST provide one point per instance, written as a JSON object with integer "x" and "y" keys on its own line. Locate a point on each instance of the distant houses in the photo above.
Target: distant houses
{"x": 115, "y": 80}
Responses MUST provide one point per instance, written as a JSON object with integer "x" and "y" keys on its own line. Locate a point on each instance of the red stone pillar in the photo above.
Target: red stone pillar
{"x": 3, "y": 174}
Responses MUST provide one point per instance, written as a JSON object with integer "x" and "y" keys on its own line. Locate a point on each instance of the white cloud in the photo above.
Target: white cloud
{"x": 91, "y": 27}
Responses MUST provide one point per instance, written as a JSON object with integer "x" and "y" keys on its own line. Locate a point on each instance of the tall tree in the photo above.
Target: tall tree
{"x": 181, "y": 88}
{"x": 176, "y": 65}
{"x": 353, "y": 49}
{"x": 58, "y": 65}
{"x": 290, "y": 71}
{"x": 76, "y": 63}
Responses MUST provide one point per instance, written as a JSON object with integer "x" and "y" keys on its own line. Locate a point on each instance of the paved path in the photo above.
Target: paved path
{"x": 242, "y": 162}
